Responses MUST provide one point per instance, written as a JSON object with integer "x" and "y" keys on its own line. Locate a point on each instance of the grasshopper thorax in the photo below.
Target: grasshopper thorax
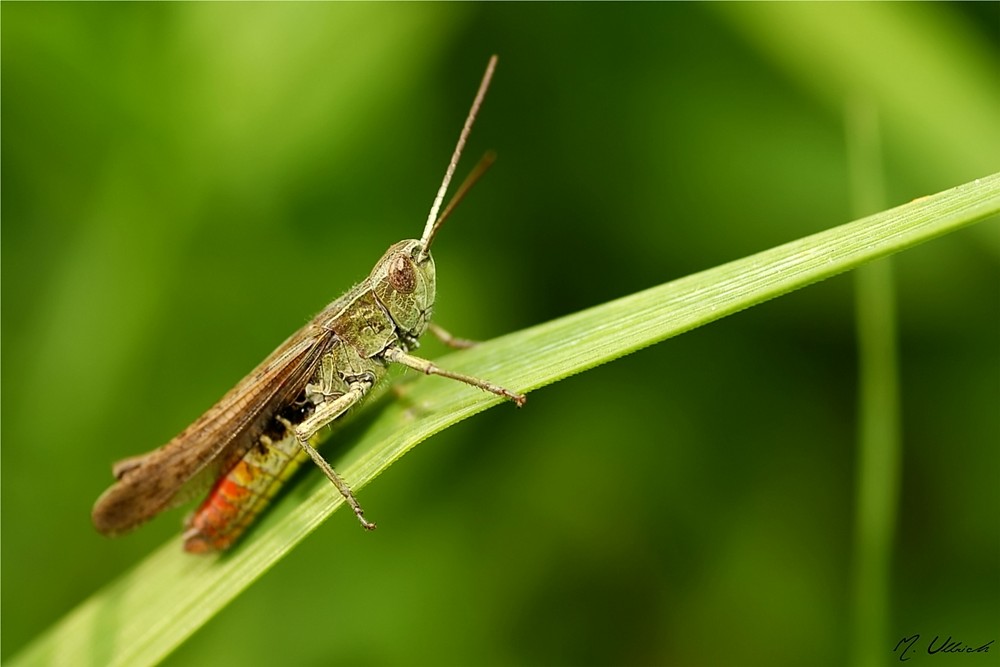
{"x": 403, "y": 281}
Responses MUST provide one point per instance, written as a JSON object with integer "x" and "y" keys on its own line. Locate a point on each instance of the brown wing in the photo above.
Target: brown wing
{"x": 150, "y": 483}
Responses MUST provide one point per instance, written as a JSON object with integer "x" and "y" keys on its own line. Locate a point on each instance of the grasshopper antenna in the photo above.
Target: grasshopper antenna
{"x": 477, "y": 172}
{"x": 433, "y": 221}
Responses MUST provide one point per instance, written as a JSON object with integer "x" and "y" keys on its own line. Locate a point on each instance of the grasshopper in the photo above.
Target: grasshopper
{"x": 259, "y": 433}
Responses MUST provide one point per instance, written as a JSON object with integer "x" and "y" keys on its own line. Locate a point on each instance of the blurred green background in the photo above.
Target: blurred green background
{"x": 185, "y": 184}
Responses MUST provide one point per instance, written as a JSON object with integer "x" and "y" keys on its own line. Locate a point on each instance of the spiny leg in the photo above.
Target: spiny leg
{"x": 424, "y": 366}
{"x": 325, "y": 413}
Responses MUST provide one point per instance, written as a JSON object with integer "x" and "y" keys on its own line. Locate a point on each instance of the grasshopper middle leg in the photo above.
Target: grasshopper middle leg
{"x": 325, "y": 413}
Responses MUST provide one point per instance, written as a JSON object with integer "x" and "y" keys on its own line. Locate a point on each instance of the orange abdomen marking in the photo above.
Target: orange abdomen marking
{"x": 241, "y": 494}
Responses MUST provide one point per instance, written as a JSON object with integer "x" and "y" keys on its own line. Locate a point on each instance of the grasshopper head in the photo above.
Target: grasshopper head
{"x": 403, "y": 281}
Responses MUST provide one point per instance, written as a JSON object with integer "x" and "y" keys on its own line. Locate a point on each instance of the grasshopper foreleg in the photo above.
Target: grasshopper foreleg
{"x": 325, "y": 413}
{"x": 424, "y": 366}
{"x": 448, "y": 339}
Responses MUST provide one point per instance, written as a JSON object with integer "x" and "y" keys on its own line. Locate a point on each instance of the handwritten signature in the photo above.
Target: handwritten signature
{"x": 937, "y": 645}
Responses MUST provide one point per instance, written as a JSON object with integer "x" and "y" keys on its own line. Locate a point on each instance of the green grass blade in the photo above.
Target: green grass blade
{"x": 148, "y": 611}
{"x": 879, "y": 440}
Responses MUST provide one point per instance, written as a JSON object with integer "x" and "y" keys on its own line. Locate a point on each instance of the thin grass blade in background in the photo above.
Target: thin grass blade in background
{"x": 879, "y": 448}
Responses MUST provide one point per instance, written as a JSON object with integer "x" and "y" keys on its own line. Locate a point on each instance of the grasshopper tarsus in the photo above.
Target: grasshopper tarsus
{"x": 367, "y": 525}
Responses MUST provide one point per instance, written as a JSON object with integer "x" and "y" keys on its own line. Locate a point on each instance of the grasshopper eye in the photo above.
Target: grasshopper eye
{"x": 402, "y": 274}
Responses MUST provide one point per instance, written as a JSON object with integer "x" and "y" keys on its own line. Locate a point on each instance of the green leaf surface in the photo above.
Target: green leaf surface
{"x": 139, "y": 618}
